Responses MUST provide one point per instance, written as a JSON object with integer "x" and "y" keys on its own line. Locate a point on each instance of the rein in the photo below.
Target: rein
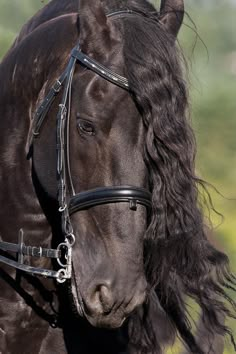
{"x": 80, "y": 201}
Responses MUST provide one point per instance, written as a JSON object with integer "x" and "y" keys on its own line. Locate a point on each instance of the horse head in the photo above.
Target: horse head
{"x": 105, "y": 148}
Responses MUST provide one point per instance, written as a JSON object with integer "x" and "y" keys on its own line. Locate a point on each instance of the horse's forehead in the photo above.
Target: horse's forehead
{"x": 93, "y": 93}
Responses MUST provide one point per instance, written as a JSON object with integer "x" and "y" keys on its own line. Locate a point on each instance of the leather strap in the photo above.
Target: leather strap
{"x": 124, "y": 13}
{"x": 99, "y": 69}
{"x": 31, "y": 251}
{"x": 33, "y": 270}
{"x": 43, "y": 109}
{"x": 106, "y": 195}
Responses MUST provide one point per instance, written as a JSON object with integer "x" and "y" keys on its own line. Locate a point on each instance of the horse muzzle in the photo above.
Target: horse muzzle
{"x": 105, "y": 306}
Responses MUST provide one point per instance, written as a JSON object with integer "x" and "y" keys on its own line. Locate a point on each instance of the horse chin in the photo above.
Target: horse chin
{"x": 104, "y": 321}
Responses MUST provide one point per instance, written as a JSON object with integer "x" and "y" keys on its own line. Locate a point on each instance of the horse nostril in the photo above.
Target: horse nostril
{"x": 101, "y": 300}
{"x": 106, "y": 298}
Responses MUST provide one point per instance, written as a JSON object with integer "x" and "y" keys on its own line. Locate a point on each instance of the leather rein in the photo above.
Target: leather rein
{"x": 80, "y": 201}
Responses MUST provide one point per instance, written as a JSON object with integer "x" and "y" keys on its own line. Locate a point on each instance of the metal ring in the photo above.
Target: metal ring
{"x": 64, "y": 244}
{"x": 35, "y": 133}
{"x": 70, "y": 239}
{"x": 62, "y": 208}
{"x": 61, "y": 276}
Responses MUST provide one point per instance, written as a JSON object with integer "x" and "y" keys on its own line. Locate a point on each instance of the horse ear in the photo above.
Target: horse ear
{"x": 171, "y": 15}
{"x": 94, "y": 26}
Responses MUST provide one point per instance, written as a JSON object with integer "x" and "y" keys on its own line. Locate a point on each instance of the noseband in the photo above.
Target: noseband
{"x": 80, "y": 201}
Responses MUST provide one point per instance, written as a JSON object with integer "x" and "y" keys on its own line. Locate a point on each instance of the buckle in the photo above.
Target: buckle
{"x": 57, "y": 86}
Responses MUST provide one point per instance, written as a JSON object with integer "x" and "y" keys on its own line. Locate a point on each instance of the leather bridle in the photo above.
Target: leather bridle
{"x": 80, "y": 201}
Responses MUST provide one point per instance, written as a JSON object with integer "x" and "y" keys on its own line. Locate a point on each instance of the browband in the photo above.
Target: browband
{"x": 99, "y": 69}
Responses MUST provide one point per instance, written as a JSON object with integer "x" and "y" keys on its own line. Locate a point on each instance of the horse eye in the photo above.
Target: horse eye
{"x": 86, "y": 127}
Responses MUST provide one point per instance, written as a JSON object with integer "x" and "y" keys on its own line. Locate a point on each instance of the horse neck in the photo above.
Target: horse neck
{"x": 23, "y": 86}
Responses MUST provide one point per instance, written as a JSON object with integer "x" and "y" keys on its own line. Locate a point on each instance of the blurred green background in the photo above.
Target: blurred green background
{"x": 209, "y": 43}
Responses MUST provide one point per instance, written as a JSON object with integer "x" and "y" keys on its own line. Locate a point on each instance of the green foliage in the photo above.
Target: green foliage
{"x": 212, "y": 77}
{"x": 13, "y": 15}
{"x": 213, "y": 88}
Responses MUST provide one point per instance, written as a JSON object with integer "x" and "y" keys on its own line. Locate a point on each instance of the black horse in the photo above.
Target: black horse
{"x": 98, "y": 189}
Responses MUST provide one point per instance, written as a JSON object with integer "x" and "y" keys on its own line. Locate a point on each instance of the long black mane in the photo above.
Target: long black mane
{"x": 179, "y": 258}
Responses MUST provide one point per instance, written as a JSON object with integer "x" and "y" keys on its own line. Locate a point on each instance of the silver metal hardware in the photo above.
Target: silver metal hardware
{"x": 62, "y": 208}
